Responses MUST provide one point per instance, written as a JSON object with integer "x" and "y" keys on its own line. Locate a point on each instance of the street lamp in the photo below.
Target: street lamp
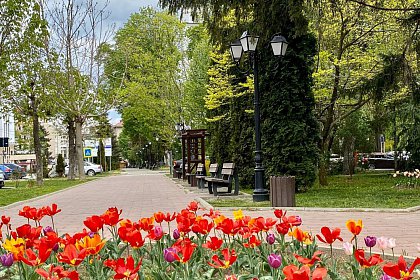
{"x": 248, "y": 44}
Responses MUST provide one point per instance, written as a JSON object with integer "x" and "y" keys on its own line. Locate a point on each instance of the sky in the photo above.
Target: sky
{"x": 122, "y": 9}
{"x": 120, "y": 13}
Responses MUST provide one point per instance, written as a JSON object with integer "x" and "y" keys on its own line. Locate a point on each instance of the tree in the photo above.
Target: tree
{"x": 289, "y": 129}
{"x": 75, "y": 56}
{"x": 197, "y": 78}
{"x": 24, "y": 69}
{"x": 353, "y": 66}
{"x": 147, "y": 50}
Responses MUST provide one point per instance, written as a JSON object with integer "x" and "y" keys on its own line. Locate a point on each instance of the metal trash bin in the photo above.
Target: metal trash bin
{"x": 282, "y": 191}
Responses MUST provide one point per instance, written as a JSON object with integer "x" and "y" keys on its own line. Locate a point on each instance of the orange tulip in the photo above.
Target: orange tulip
{"x": 354, "y": 227}
{"x": 92, "y": 245}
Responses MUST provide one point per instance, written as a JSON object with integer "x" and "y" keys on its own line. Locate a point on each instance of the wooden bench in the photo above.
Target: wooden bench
{"x": 214, "y": 169}
{"x": 200, "y": 175}
{"x": 227, "y": 176}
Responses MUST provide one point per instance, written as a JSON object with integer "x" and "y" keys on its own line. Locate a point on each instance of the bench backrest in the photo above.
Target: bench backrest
{"x": 213, "y": 169}
{"x": 200, "y": 169}
{"x": 228, "y": 171}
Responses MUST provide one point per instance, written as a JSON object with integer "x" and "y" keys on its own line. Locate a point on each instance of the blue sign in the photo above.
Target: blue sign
{"x": 87, "y": 152}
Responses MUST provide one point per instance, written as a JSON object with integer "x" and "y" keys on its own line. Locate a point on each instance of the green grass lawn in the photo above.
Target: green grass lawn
{"x": 10, "y": 193}
{"x": 370, "y": 190}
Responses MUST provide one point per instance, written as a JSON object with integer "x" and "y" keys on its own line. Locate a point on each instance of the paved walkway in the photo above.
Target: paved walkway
{"x": 140, "y": 193}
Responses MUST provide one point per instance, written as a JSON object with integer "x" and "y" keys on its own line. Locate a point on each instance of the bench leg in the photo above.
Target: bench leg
{"x": 210, "y": 187}
{"x": 215, "y": 189}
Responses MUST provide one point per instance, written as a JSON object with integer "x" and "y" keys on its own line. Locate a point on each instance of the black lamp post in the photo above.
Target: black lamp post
{"x": 248, "y": 44}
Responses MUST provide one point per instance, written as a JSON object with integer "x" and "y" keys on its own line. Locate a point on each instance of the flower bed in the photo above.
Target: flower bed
{"x": 190, "y": 244}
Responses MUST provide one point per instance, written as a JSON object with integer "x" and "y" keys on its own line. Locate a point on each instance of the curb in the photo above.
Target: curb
{"x": 307, "y": 209}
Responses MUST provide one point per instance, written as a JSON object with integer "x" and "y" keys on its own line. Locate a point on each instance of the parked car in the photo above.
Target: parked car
{"x": 336, "y": 158}
{"x": 6, "y": 171}
{"x": 1, "y": 179}
{"x": 17, "y": 170}
{"x": 91, "y": 169}
{"x": 380, "y": 161}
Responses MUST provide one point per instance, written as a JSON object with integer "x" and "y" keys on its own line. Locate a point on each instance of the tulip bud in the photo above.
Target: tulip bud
{"x": 274, "y": 260}
{"x": 370, "y": 241}
{"x": 348, "y": 248}
{"x": 176, "y": 234}
{"x": 391, "y": 243}
{"x": 6, "y": 260}
{"x": 169, "y": 254}
{"x": 382, "y": 242}
{"x": 47, "y": 229}
{"x": 270, "y": 238}
{"x": 158, "y": 231}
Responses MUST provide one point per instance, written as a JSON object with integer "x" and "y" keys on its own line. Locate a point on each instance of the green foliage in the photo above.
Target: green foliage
{"x": 59, "y": 168}
{"x": 197, "y": 78}
{"x": 147, "y": 55}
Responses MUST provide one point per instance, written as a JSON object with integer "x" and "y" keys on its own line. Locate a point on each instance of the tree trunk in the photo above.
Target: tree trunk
{"x": 37, "y": 143}
{"x": 323, "y": 171}
{"x": 72, "y": 149}
{"x": 395, "y": 136}
{"x": 348, "y": 161}
{"x": 79, "y": 148}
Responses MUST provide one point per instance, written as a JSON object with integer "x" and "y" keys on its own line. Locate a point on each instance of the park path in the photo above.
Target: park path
{"x": 140, "y": 193}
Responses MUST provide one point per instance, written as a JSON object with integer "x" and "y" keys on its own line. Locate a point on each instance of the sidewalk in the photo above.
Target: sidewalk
{"x": 140, "y": 193}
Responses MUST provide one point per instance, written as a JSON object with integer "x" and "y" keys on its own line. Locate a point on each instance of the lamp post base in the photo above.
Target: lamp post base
{"x": 260, "y": 196}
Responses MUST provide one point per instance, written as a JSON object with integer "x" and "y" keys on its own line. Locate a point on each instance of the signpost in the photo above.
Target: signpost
{"x": 108, "y": 150}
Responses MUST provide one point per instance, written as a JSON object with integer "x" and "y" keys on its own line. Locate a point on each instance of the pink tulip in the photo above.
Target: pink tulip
{"x": 348, "y": 248}
{"x": 382, "y": 243}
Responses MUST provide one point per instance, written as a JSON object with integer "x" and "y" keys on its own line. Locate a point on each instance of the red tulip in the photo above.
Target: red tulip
{"x": 329, "y": 236}
{"x": 71, "y": 255}
{"x": 111, "y": 217}
{"x": 132, "y": 236}
{"x": 124, "y": 269}
{"x": 5, "y": 220}
{"x": 33, "y": 259}
{"x": 229, "y": 258}
{"x": 202, "y": 226}
{"x": 214, "y": 243}
{"x": 292, "y": 272}
{"x": 311, "y": 261}
{"x": 400, "y": 270}
{"x": 186, "y": 248}
{"x": 360, "y": 257}
{"x": 57, "y": 273}
{"x": 51, "y": 211}
{"x": 252, "y": 242}
{"x": 94, "y": 223}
